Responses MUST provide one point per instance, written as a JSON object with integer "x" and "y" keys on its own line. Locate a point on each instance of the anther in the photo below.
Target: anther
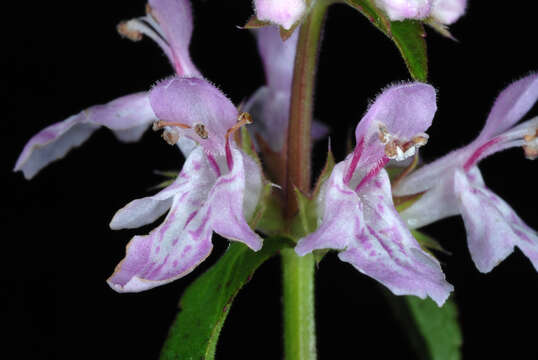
{"x": 126, "y": 31}
{"x": 243, "y": 119}
{"x": 384, "y": 135}
{"x": 531, "y": 145}
{"x": 397, "y": 149}
{"x": 149, "y": 10}
{"x": 200, "y": 130}
{"x": 170, "y": 136}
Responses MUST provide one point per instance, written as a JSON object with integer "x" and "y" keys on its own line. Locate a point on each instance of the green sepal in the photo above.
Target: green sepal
{"x": 207, "y": 301}
{"x": 268, "y": 216}
{"x": 247, "y": 145}
{"x": 161, "y": 185}
{"x": 394, "y": 171}
{"x": 285, "y": 34}
{"x": 306, "y": 220}
{"x": 401, "y": 203}
{"x": 171, "y": 176}
{"x": 407, "y": 35}
{"x": 255, "y": 23}
{"x": 325, "y": 173}
{"x": 428, "y": 243}
{"x": 433, "y": 331}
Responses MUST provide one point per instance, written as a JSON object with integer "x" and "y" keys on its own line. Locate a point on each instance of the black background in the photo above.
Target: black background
{"x": 64, "y": 56}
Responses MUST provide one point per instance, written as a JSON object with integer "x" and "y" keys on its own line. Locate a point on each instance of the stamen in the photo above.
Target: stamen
{"x": 243, "y": 119}
{"x": 135, "y": 28}
{"x": 171, "y": 137}
{"x": 396, "y": 148}
{"x": 200, "y": 130}
{"x": 170, "y": 134}
{"x": 125, "y": 30}
{"x": 531, "y": 145}
{"x": 157, "y": 125}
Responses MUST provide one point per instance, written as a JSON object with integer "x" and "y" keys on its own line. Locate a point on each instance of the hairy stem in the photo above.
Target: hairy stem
{"x": 299, "y": 321}
{"x": 300, "y": 122}
{"x": 298, "y": 272}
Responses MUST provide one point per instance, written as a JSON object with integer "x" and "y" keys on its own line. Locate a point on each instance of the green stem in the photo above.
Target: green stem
{"x": 299, "y": 323}
{"x": 300, "y": 122}
{"x": 298, "y": 272}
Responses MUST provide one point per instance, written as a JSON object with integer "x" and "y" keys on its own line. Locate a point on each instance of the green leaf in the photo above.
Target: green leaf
{"x": 206, "y": 302}
{"x": 433, "y": 331}
{"x": 408, "y": 36}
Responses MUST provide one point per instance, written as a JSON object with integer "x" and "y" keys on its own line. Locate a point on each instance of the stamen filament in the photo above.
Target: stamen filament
{"x": 135, "y": 28}
{"x": 161, "y": 124}
{"x": 243, "y": 119}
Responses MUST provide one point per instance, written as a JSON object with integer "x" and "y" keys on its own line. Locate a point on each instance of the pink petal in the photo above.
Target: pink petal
{"x": 195, "y": 177}
{"x": 202, "y": 202}
{"x": 234, "y": 198}
{"x": 270, "y": 105}
{"x": 170, "y": 251}
{"x": 404, "y": 111}
{"x": 448, "y": 11}
{"x": 386, "y": 251}
{"x": 398, "y": 10}
{"x": 193, "y": 101}
{"x": 270, "y": 112}
{"x": 175, "y": 19}
{"x": 493, "y": 228}
{"x": 278, "y": 57}
{"x": 437, "y": 203}
{"x": 127, "y": 116}
{"x": 374, "y": 239}
{"x": 514, "y": 137}
{"x": 281, "y": 12}
{"x": 340, "y": 214}
{"x": 510, "y": 106}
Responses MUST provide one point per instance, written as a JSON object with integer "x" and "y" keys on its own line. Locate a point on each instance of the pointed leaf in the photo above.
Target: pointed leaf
{"x": 433, "y": 331}
{"x": 408, "y": 36}
{"x": 206, "y": 302}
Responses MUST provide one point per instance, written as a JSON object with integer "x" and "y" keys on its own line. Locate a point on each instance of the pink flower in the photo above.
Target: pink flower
{"x": 211, "y": 194}
{"x": 280, "y": 12}
{"x": 443, "y": 12}
{"x": 453, "y": 184}
{"x": 398, "y": 10}
{"x": 355, "y": 208}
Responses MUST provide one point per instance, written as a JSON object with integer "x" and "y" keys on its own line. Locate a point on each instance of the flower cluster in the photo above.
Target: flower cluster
{"x": 220, "y": 185}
